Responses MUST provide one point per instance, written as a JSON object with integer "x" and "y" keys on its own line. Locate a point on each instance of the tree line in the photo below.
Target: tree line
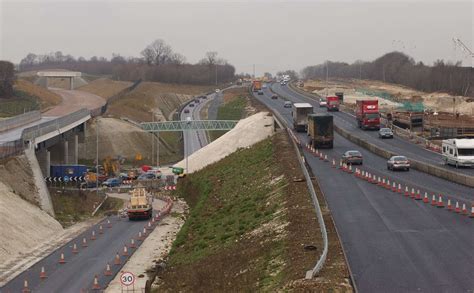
{"x": 399, "y": 68}
{"x": 157, "y": 62}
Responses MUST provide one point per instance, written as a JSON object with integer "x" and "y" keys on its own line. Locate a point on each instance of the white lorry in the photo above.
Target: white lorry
{"x": 300, "y": 116}
{"x": 458, "y": 152}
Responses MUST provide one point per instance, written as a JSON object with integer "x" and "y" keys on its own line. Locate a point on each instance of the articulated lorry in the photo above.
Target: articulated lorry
{"x": 321, "y": 130}
{"x": 140, "y": 206}
{"x": 300, "y": 116}
{"x": 367, "y": 114}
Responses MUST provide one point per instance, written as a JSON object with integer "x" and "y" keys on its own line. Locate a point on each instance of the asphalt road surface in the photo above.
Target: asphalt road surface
{"x": 79, "y": 270}
{"x": 393, "y": 243}
{"x": 195, "y": 139}
{"x": 396, "y": 145}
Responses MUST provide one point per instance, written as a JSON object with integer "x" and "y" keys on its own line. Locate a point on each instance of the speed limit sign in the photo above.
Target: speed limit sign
{"x": 127, "y": 279}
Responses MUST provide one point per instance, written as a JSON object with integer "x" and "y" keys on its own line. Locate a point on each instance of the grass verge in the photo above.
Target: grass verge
{"x": 233, "y": 108}
{"x": 72, "y": 206}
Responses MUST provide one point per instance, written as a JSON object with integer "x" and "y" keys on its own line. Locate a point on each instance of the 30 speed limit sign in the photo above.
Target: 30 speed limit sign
{"x": 127, "y": 279}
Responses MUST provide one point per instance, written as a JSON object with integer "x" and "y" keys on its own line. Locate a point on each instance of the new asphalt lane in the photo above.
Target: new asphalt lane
{"x": 79, "y": 270}
{"x": 393, "y": 243}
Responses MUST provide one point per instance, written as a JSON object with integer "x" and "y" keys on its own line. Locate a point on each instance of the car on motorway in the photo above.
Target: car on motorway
{"x": 282, "y": 83}
{"x": 196, "y": 101}
{"x": 186, "y": 111}
{"x": 111, "y": 182}
{"x": 147, "y": 176}
{"x": 322, "y": 103}
{"x": 274, "y": 97}
{"x": 191, "y": 105}
{"x": 385, "y": 133}
{"x": 398, "y": 163}
{"x": 218, "y": 90}
{"x": 352, "y": 157}
{"x": 260, "y": 92}
{"x": 203, "y": 97}
{"x": 264, "y": 86}
{"x": 287, "y": 104}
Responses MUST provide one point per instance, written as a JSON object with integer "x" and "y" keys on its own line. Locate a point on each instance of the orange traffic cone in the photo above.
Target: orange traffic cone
{"x": 383, "y": 182}
{"x": 399, "y": 190}
{"x": 394, "y": 187}
{"x": 406, "y": 191}
{"x": 117, "y": 259}
{"x": 95, "y": 285}
{"x": 457, "y": 209}
{"x": 93, "y": 235}
{"x": 379, "y": 181}
{"x": 43, "y": 274}
{"x": 101, "y": 230}
{"x": 125, "y": 251}
{"x": 350, "y": 169}
{"x": 340, "y": 164}
{"x": 74, "y": 249}
{"x": 425, "y": 199}
{"x": 325, "y": 158}
{"x": 109, "y": 224}
{"x": 132, "y": 243}
{"x": 418, "y": 195}
{"x": 84, "y": 242}
{"x": 433, "y": 201}
{"x": 440, "y": 202}
{"x": 464, "y": 210}
{"x": 140, "y": 236}
{"x": 148, "y": 226}
{"x": 449, "y": 207}
{"x": 412, "y": 194}
{"x": 144, "y": 233}
{"x": 108, "y": 271}
{"x": 25, "y": 289}
{"x": 61, "y": 259}
{"x": 388, "y": 184}
{"x": 333, "y": 163}
{"x": 472, "y": 212}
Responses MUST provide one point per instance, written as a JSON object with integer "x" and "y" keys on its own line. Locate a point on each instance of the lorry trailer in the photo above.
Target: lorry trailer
{"x": 140, "y": 205}
{"x": 321, "y": 130}
{"x": 300, "y": 116}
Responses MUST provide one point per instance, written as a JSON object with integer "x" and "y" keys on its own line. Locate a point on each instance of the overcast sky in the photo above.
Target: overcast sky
{"x": 273, "y": 35}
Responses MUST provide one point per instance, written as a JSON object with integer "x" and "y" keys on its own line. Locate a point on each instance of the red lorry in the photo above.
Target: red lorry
{"x": 367, "y": 114}
{"x": 332, "y": 103}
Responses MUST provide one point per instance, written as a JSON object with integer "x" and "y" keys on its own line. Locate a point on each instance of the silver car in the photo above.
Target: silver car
{"x": 398, "y": 163}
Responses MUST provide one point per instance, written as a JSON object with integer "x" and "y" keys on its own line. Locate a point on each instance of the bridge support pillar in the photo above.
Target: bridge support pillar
{"x": 66, "y": 152}
{"x": 48, "y": 164}
{"x": 76, "y": 149}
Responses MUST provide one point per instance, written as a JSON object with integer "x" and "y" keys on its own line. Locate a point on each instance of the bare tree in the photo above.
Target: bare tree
{"x": 157, "y": 52}
{"x": 177, "y": 58}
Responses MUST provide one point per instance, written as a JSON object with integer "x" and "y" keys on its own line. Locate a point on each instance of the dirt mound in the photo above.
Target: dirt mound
{"x": 105, "y": 87}
{"x": 24, "y": 225}
{"x": 153, "y": 97}
{"x": 17, "y": 175}
{"x": 246, "y": 133}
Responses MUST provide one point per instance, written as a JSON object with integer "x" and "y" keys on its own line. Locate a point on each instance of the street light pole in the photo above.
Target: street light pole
{"x": 216, "y": 73}
{"x": 327, "y": 77}
{"x": 97, "y": 157}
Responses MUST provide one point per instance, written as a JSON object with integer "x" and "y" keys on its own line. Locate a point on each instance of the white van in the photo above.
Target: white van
{"x": 458, "y": 152}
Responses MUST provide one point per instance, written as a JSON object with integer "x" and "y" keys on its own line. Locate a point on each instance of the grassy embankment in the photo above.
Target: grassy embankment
{"x": 233, "y": 108}
{"x": 231, "y": 203}
{"x": 27, "y": 97}
{"x": 73, "y": 206}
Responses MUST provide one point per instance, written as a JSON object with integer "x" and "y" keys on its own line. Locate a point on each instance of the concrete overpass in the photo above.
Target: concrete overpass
{"x": 71, "y": 75}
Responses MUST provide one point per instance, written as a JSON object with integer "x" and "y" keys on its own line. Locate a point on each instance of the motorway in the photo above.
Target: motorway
{"x": 396, "y": 145}
{"x": 392, "y": 243}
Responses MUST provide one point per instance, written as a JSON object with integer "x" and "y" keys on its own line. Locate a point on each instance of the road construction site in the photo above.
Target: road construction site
{"x": 411, "y": 226}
